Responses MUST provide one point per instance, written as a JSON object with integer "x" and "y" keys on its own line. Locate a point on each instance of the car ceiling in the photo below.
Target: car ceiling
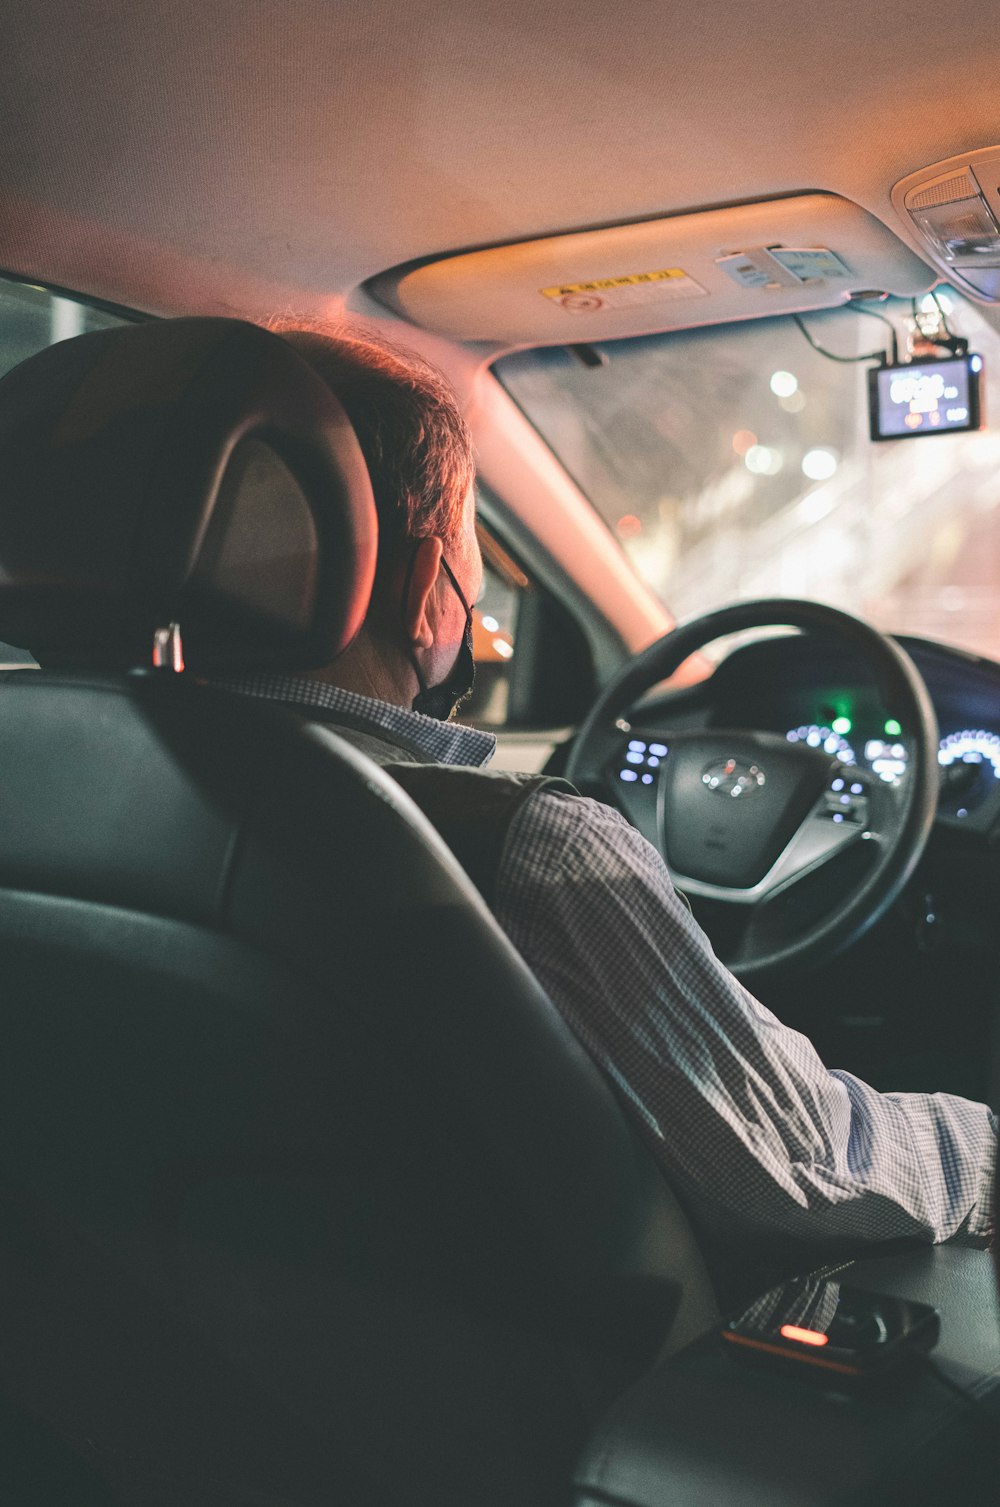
{"x": 254, "y": 155}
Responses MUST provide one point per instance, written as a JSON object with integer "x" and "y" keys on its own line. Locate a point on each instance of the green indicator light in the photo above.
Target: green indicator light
{"x": 841, "y": 725}
{"x": 893, "y": 728}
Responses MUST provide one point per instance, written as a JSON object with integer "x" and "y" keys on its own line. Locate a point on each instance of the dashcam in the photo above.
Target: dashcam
{"x": 925, "y": 397}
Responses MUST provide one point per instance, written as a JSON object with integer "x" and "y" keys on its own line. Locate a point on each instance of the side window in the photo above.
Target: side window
{"x": 534, "y": 667}
{"x": 32, "y": 318}
{"x": 494, "y": 633}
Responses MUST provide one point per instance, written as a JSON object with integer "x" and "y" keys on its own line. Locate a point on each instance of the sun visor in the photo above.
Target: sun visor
{"x": 810, "y": 251}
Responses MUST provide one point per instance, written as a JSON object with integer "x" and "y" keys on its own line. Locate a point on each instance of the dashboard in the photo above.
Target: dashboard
{"x": 810, "y": 692}
{"x": 910, "y": 1005}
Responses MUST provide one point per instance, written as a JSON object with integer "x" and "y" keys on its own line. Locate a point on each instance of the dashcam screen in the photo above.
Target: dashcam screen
{"x": 930, "y": 397}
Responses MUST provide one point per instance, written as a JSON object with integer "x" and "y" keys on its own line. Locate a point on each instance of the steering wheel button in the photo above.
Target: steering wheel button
{"x": 659, "y": 749}
{"x": 636, "y": 745}
{"x": 628, "y": 775}
{"x": 634, "y": 758}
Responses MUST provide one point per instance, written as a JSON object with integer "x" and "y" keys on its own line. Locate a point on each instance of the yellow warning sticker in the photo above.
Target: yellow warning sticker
{"x": 624, "y": 292}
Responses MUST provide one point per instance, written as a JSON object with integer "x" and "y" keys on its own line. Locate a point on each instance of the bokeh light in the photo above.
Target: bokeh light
{"x": 819, "y": 464}
{"x": 762, "y": 460}
{"x": 783, "y": 384}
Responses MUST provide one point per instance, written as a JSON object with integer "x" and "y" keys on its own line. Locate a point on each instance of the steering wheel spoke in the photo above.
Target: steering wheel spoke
{"x": 816, "y": 842}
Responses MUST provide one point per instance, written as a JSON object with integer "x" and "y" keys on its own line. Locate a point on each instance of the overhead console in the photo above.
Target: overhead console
{"x": 954, "y": 209}
{"x": 781, "y": 256}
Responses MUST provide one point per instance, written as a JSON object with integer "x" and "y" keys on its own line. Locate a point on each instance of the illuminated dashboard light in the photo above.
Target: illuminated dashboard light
{"x": 647, "y": 779}
{"x": 961, "y": 811}
{"x": 838, "y": 816}
{"x": 892, "y": 728}
{"x": 816, "y": 736}
{"x": 857, "y": 790}
{"x": 837, "y": 784}
{"x": 803, "y": 1336}
{"x": 659, "y": 749}
{"x": 972, "y": 746}
{"x": 653, "y": 762}
{"x": 629, "y": 776}
{"x": 636, "y": 745}
{"x": 841, "y": 725}
{"x": 634, "y": 758}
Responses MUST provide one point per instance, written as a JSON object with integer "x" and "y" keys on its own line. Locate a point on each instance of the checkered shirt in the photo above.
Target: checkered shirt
{"x": 736, "y": 1106}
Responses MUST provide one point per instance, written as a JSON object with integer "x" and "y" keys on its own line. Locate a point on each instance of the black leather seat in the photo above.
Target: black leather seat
{"x": 309, "y": 1194}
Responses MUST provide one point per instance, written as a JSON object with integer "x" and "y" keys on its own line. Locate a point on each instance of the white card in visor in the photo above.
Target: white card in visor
{"x": 925, "y": 397}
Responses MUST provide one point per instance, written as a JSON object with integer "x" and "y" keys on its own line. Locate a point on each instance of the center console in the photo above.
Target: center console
{"x": 714, "y": 1427}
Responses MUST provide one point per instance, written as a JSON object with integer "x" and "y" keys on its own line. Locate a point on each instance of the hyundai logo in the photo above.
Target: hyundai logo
{"x": 730, "y": 777}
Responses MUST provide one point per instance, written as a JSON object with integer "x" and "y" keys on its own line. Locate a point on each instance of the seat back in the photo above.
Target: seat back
{"x": 281, "y": 1106}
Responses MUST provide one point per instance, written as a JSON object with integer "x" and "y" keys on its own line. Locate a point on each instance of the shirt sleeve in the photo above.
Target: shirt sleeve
{"x": 739, "y": 1107}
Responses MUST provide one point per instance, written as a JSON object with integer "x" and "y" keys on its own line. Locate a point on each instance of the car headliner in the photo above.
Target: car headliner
{"x": 240, "y": 155}
{"x": 253, "y": 156}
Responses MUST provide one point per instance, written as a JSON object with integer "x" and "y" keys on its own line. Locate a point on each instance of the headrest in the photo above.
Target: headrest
{"x": 195, "y": 471}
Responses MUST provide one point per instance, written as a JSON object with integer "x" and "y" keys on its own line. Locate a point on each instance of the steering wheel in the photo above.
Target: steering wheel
{"x": 742, "y": 817}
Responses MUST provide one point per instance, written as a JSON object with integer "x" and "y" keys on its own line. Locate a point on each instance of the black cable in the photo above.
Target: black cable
{"x": 944, "y": 318}
{"x": 870, "y": 356}
{"x": 892, "y": 331}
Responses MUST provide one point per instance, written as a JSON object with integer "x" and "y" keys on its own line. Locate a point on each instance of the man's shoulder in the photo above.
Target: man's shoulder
{"x": 474, "y": 809}
{"x": 479, "y": 785}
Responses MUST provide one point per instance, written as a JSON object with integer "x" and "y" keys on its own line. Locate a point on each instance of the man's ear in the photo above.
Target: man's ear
{"x": 423, "y": 573}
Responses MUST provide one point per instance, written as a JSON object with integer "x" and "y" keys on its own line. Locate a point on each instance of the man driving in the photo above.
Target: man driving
{"x": 739, "y": 1110}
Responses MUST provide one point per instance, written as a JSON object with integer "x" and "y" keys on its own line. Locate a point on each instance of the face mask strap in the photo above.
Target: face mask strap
{"x": 404, "y": 604}
{"x": 458, "y": 592}
{"x": 439, "y": 701}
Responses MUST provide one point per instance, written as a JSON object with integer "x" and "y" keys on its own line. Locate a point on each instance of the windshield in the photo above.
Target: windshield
{"x": 734, "y": 462}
